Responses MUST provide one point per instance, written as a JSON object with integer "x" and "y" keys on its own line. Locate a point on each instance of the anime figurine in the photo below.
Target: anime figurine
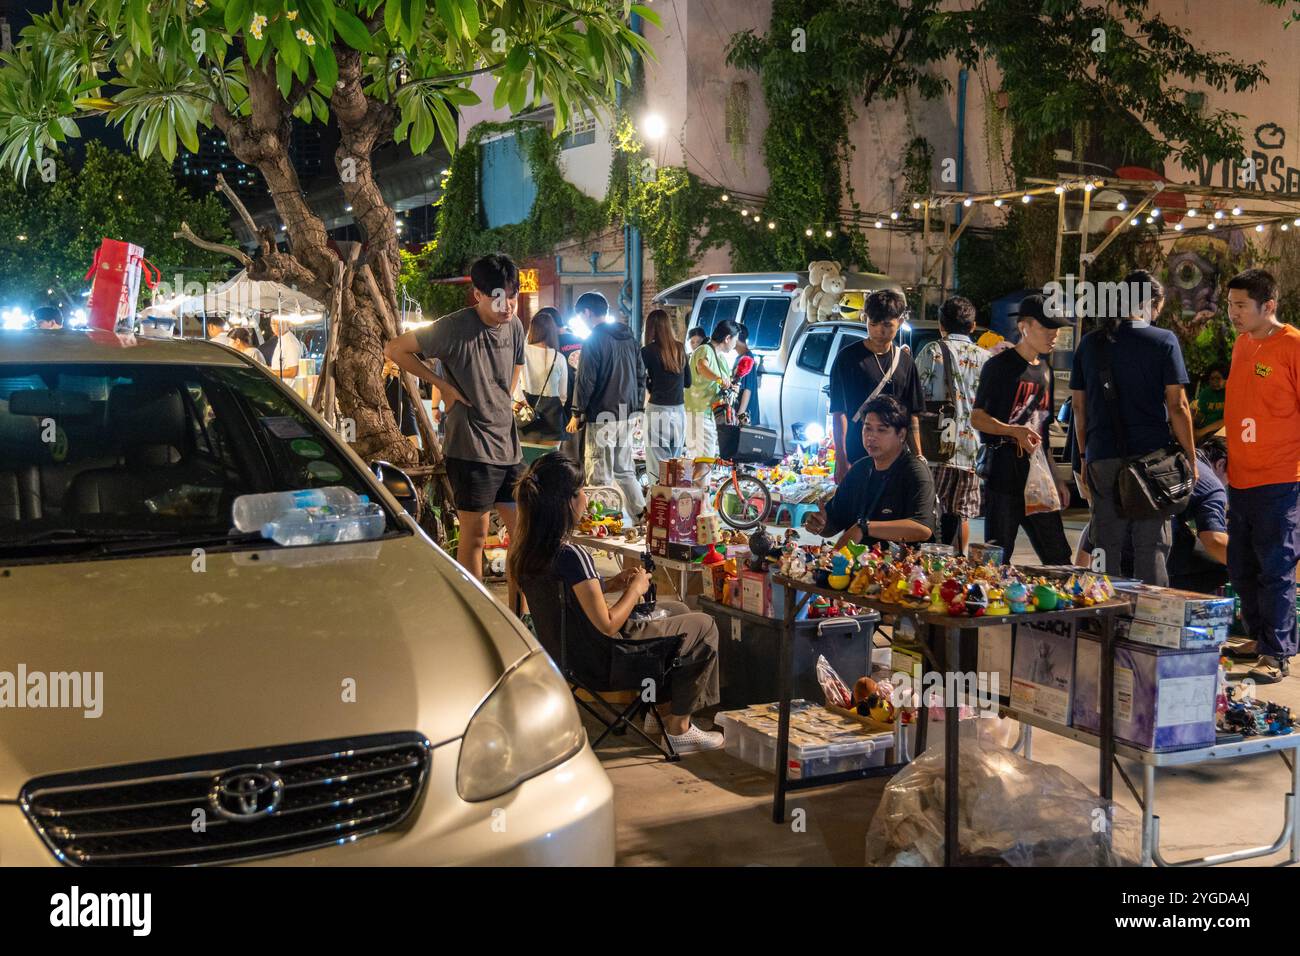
{"x": 1017, "y": 595}
{"x": 977, "y": 601}
{"x": 1045, "y": 597}
{"x": 839, "y": 573}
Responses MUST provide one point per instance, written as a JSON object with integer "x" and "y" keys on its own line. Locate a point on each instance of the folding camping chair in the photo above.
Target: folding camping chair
{"x": 609, "y": 665}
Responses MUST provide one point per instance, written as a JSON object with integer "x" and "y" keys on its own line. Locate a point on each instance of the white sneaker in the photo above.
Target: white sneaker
{"x": 651, "y": 726}
{"x": 696, "y": 740}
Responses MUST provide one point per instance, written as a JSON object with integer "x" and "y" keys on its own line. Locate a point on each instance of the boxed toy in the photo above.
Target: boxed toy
{"x": 1164, "y": 698}
{"x": 1042, "y": 672}
{"x": 1180, "y": 608}
{"x": 985, "y": 553}
{"x": 756, "y": 592}
{"x": 1171, "y": 635}
{"x": 673, "y": 517}
{"x": 993, "y": 658}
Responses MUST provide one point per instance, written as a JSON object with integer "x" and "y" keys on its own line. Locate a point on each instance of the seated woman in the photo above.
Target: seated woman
{"x": 550, "y": 499}
{"x": 887, "y": 496}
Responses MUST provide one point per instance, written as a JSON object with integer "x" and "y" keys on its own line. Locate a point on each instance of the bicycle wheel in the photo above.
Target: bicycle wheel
{"x": 743, "y": 501}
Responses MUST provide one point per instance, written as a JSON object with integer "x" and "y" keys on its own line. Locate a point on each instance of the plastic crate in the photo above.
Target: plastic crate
{"x": 752, "y": 738}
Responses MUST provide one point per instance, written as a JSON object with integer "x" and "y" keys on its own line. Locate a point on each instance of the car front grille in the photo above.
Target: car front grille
{"x": 224, "y": 808}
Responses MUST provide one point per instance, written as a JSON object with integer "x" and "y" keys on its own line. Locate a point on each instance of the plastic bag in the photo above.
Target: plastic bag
{"x": 1040, "y": 487}
{"x": 836, "y": 691}
{"x": 1013, "y": 812}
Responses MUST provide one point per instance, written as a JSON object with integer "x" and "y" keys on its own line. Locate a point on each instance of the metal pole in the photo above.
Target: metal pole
{"x": 1060, "y": 234}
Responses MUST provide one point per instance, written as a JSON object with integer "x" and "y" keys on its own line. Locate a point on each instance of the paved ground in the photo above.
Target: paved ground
{"x": 714, "y": 810}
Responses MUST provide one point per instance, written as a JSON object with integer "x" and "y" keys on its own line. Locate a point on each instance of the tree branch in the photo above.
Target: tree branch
{"x": 187, "y": 234}
{"x": 224, "y": 188}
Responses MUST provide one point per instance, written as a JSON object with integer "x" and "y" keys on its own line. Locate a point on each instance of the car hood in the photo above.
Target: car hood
{"x": 258, "y": 648}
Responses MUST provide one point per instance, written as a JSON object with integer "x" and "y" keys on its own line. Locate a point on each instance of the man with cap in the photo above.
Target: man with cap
{"x": 1012, "y": 413}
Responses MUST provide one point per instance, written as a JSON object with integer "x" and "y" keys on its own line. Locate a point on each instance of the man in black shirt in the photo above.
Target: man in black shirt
{"x": 886, "y": 496}
{"x": 1013, "y": 414}
{"x": 858, "y": 372}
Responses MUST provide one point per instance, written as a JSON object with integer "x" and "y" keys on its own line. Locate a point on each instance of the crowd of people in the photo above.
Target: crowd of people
{"x": 532, "y": 418}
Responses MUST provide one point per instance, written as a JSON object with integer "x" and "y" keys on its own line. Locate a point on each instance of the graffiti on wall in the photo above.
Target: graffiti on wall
{"x": 1273, "y": 174}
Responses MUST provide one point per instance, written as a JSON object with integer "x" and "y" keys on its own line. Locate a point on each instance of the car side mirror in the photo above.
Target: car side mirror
{"x": 399, "y": 485}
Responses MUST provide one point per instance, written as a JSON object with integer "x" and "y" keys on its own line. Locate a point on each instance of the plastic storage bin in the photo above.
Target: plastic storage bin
{"x": 751, "y": 736}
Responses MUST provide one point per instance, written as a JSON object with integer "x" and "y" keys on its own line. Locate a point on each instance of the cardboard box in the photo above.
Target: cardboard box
{"x": 1171, "y": 635}
{"x": 1164, "y": 698}
{"x": 1042, "y": 673}
{"x": 994, "y": 658}
{"x": 985, "y": 553}
{"x": 1180, "y": 608}
{"x": 756, "y": 592}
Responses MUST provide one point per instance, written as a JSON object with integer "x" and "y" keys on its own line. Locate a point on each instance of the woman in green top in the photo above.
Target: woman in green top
{"x": 708, "y": 379}
{"x": 1209, "y": 403}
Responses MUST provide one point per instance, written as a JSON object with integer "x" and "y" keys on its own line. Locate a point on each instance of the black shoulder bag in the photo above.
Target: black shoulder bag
{"x": 938, "y": 420}
{"x": 1155, "y": 485}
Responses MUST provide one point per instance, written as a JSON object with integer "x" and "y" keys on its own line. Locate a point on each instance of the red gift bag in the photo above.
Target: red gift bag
{"x": 115, "y": 283}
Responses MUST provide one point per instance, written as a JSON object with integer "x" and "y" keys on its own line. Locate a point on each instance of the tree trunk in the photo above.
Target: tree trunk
{"x": 262, "y": 140}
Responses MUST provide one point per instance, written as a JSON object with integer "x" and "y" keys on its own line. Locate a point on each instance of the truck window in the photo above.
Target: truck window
{"x": 716, "y": 309}
{"x": 764, "y": 316}
{"x": 816, "y": 349}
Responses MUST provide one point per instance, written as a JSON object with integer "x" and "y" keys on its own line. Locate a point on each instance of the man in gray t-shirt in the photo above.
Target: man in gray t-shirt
{"x": 481, "y": 349}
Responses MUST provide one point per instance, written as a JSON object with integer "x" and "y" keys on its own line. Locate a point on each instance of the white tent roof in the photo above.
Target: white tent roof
{"x": 242, "y": 294}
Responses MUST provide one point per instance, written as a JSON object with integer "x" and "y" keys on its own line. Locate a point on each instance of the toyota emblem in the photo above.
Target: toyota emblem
{"x": 246, "y": 794}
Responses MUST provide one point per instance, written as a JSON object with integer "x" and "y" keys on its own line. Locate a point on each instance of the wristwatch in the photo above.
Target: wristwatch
{"x": 865, "y": 524}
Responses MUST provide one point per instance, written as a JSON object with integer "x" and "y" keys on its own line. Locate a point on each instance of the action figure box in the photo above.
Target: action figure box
{"x": 1164, "y": 697}
{"x": 1180, "y": 608}
{"x": 1173, "y": 636}
{"x": 1042, "y": 670}
{"x": 673, "y": 520}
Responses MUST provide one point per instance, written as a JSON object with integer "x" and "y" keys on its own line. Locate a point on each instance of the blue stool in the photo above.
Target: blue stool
{"x": 795, "y": 512}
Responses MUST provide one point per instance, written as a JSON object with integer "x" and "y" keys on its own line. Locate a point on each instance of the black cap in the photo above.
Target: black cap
{"x": 1032, "y": 307}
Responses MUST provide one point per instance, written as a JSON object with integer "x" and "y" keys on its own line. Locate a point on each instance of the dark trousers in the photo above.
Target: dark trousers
{"x": 1004, "y": 516}
{"x": 1263, "y": 546}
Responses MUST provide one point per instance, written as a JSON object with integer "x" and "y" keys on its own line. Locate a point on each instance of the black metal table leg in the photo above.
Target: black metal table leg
{"x": 951, "y": 756}
{"x": 784, "y": 691}
{"x": 1106, "y": 769}
{"x": 922, "y": 721}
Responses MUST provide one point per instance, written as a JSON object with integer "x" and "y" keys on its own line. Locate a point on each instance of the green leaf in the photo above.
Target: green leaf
{"x": 255, "y": 48}
{"x": 351, "y": 29}
{"x": 469, "y": 13}
{"x": 287, "y": 48}
{"x": 519, "y": 94}
{"x": 646, "y": 14}
{"x": 238, "y": 15}
{"x": 283, "y": 76}
{"x": 449, "y": 14}
{"x": 422, "y": 129}
{"x": 446, "y": 123}
{"x": 418, "y": 9}
{"x": 140, "y": 33}
{"x": 392, "y": 18}
{"x": 327, "y": 67}
{"x": 167, "y": 144}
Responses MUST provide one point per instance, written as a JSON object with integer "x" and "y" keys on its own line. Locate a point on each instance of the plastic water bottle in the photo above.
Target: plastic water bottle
{"x": 326, "y": 525}
{"x": 252, "y": 512}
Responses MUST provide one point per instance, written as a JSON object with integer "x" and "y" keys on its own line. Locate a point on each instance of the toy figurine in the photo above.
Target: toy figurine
{"x": 839, "y": 574}
{"x": 977, "y": 602}
{"x": 1045, "y": 597}
{"x": 997, "y": 604}
{"x": 936, "y": 600}
{"x": 1017, "y": 595}
{"x": 950, "y": 589}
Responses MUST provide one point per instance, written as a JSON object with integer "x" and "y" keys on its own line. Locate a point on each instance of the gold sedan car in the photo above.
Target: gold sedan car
{"x": 176, "y": 691}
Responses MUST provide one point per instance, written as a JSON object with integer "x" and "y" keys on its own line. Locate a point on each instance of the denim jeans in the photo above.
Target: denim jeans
{"x": 1263, "y": 545}
{"x": 665, "y": 436}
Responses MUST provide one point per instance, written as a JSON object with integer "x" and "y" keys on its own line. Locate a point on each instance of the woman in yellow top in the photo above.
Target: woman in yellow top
{"x": 709, "y": 378}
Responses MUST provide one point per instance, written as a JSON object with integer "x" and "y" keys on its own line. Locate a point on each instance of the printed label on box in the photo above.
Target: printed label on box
{"x": 1041, "y": 701}
{"x": 1185, "y": 700}
{"x": 1123, "y": 693}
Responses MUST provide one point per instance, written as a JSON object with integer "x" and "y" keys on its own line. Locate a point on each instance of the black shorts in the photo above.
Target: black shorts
{"x": 477, "y": 486}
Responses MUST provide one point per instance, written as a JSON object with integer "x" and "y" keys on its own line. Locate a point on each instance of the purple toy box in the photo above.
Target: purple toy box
{"x": 1164, "y": 698}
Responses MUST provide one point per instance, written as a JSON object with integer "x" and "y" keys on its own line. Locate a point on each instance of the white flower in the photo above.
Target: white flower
{"x": 291, "y": 14}
{"x": 305, "y": 37}
{"x": 256, "y": 26}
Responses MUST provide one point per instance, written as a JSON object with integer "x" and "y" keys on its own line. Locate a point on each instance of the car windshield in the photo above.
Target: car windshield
{"x": 94, "y": 456}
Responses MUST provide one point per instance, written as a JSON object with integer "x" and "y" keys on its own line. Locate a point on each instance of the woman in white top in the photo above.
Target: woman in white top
{"x": 544, "y": 386}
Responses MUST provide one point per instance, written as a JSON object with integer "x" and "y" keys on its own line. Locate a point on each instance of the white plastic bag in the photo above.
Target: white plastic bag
{"x": 1040, "y": 487}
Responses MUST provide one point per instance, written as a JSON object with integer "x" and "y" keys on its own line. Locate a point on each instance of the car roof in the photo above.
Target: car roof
{"x": 95, "y": 345}
{"x": 686, "y": 292}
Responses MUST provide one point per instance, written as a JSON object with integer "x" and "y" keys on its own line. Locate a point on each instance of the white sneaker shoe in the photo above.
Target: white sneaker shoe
{"x": 651, "y": 726}
{"x": 696, "y": 740}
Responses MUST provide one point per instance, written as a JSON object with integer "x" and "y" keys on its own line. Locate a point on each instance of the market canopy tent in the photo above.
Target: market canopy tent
{"x": 242, "y": 294}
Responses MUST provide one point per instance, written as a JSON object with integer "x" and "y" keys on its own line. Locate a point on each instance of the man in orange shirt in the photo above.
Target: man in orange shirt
{"x": 1262, "y": 420}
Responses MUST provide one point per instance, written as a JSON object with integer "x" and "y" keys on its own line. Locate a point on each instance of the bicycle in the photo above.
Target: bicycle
{"x": 743, "y": 499}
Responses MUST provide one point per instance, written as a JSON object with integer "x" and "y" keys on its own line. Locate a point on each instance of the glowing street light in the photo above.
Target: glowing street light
{"x": 654, "y": 126}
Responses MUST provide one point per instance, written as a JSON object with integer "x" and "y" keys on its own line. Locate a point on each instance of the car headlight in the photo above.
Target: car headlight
{"x": 528, "y": 725}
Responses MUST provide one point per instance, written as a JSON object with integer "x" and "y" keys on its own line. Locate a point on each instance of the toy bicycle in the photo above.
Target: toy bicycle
{"x": 743, "y": 499}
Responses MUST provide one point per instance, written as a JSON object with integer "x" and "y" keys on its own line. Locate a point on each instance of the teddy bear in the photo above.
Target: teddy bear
{"x": 827, "y": 302}
{"x": 817, "y": 271}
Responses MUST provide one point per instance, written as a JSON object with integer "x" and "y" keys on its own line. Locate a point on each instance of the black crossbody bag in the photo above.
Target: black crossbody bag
{"x": 1155, "y": 485}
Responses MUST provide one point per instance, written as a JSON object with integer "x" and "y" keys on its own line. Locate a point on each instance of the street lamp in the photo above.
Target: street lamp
{"x": 654, "y": 126}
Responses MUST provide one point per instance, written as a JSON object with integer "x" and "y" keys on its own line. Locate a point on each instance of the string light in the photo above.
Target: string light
{"x": 744, "y": 213}
{"x": 1121, "y": 205}
{"x": 1150, "y": 219}
{"x": 998, "y": 203}
{"x": 1058, "y": 190}
{"x": 1236, "y": 210}
{"x": 1218, "y": 214}
{"x": 829, "y": 234}
{"x": 725, "y": 197}
{"x": 808, "y": 232}
{"x": 1155, "y": 212}
{"x": 879, "y": 224}
{"x": 1088, "y": 187}
{"x": 893, "y": 215}
{"x": 1260, "y": 227}
{"x": 1295, "y": 222}
{"x": 1191, "y": 213}
{"x": 1210, "y": 227}
{"x": 771, "y": 224}
{"x": 1285, "y": 227}
{"x": 1178, "y": 227}
{"x": 1025, "y": 198}
{"x": 1133, "y": 222}
{"x": 916, "y": 205}
{"x": 967, "y": 202}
